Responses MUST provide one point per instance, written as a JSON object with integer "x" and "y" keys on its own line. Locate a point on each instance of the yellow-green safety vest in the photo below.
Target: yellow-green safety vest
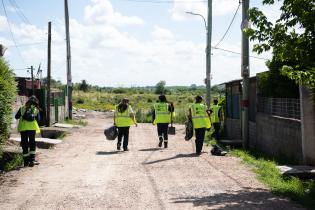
{"x": 25, "y": 125}
{"x": 124, "y": 119}
{"x": 215, "y": 118}
{"x": 199, "y": 116}
{"x": 162, "y": 114}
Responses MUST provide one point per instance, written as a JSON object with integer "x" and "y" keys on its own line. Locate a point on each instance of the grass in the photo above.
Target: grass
{"x": 10, "y": 162}
{"x": 76, "y": 122}
{"x": 301, "y": 191}
{"x": 142, "y": 103}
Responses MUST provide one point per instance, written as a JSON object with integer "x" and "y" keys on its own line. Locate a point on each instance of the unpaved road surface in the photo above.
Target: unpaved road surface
{"x": 86, "y": 172}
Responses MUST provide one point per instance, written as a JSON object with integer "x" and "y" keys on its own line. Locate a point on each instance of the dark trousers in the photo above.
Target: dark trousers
{"x": 123, "y": 132}
{"x": 28, "y": 145}
{"x": 216, "y": 127}
{"x": 200, "y": 137}
{"x": 162, "y": 129}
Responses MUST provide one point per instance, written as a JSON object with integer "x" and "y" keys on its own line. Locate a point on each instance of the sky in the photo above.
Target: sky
{"x": 127, "y": 43}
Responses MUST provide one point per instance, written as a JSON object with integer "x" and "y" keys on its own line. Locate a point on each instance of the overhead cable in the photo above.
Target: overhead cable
{"x": 19, "y": 12}
{"x": 230, "y": 51}
{"x": 11, "y": 33}
{"x": 228, "y": 29}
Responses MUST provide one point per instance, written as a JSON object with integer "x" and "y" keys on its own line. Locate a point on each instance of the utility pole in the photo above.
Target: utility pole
{"x": 32, "y": 74}
{"x": 48, "y": 75}
{"x": 245, "y": 74}
{"x": 69, "y": 77}
{"x": 208, "y": 54}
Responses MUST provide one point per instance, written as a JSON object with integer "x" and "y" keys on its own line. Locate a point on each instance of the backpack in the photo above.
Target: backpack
{"x": 218, "y": 151}
{"x": 29, "y": 115}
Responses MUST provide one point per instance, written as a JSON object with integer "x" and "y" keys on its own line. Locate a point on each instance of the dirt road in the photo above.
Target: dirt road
{"x": 86, "y": 172}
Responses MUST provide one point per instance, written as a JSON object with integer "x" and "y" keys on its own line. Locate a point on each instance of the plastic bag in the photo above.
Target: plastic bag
{"x": 189, "y": 130}
{"x": 111, "y": 133}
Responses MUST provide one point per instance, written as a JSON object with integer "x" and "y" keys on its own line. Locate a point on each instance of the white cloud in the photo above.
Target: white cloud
{"x": 102, "y": 12}
{"x": 219, "y": 8}
{"x": 106, "y": 55}
{"x": 3, "y": 23}
{"x": 162, "y": 33}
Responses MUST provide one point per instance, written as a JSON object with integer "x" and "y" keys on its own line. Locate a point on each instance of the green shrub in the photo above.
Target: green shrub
{"x": 7, "y": 97}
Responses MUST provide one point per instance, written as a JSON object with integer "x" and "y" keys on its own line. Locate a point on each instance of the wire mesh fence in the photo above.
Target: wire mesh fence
{"x": 283, "y": 107}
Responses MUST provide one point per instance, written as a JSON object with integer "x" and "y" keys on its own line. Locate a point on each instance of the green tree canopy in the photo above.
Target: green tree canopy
{"x": 84, "y": 86}
{"x": 160, "y": 87}
{"x": 291, "y": 38}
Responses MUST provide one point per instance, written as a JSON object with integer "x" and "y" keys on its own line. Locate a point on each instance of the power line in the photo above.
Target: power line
{"x": 230, "y": 51}
{"x": 228, "y": 29}
{"x": 19, "y": 11}
{"x": 11, "y": 33}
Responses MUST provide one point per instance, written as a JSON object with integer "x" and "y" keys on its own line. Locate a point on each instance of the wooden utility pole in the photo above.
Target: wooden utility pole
{"x": 32, "y": 74}
{"x": 208, "y": 54}
{"x": 48, "y": 75}
{"x": 69, "y": 77}
{"x": 245, "y": 75}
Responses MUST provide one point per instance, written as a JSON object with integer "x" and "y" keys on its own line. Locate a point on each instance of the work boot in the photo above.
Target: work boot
{"x": 126, "y": 149}
{"x": 118, "y": 145}
{"x": 31, "y": 164}
{"x": 26, "y": 162}
{"x": 165, "y": 144}
{"x": 161, "y": 141}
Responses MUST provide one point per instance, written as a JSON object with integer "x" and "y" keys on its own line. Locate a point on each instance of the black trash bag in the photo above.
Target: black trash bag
{"x": 189, "y": 130}
{"x": 218, "y": 151}
{"x": 111, "y": 133}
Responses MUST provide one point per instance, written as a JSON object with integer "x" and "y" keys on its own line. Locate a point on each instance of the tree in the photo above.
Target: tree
{"x": 160, "y": 87}
{"x": 84, "y": 86}
{"x": 291, "y": 38}
{"x": 53, "y": 83}
{"x": 7, "y": 95}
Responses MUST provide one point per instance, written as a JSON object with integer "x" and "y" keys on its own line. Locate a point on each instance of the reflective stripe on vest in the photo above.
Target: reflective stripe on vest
{"x": 123, "y": 119}
{"x": 162, "y": 115}
{"x": 199, "y": 116}
{"x": 28, "y": 125}
{"x": 215, "y": 114}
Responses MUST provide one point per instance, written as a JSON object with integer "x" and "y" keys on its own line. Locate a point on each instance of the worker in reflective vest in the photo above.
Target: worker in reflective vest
{"x": 124, "y": 117}
{"x": 200, "y": 116}
{"x": 216, "y": 118}
{"x": 28, "y": 127}
{"x": 161, "y": 116}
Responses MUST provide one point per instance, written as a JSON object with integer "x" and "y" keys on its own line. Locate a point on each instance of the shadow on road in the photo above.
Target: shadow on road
{"x": 149, "y": 150}
{"x": 171, "y": 158}
{"x": 108, "y": 153}
{"x": 243, "y": 199}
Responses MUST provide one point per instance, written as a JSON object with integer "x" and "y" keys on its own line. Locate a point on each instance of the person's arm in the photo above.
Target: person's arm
{"x": 18, "y": 114}
{"x": 38, "y": 117}
{"x": 133, "y": 116}
{"x": 115, "y": 116}
{"x": 171, "y": 107}
{"x": 153, "y": 114}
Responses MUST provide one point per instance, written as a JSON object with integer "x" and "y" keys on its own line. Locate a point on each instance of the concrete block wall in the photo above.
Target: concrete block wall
{"x": 279, "y": 136}
{"x": 61, "y": 114}
{"x": 252, "y": 134}
{"x": 308, "y": 125}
